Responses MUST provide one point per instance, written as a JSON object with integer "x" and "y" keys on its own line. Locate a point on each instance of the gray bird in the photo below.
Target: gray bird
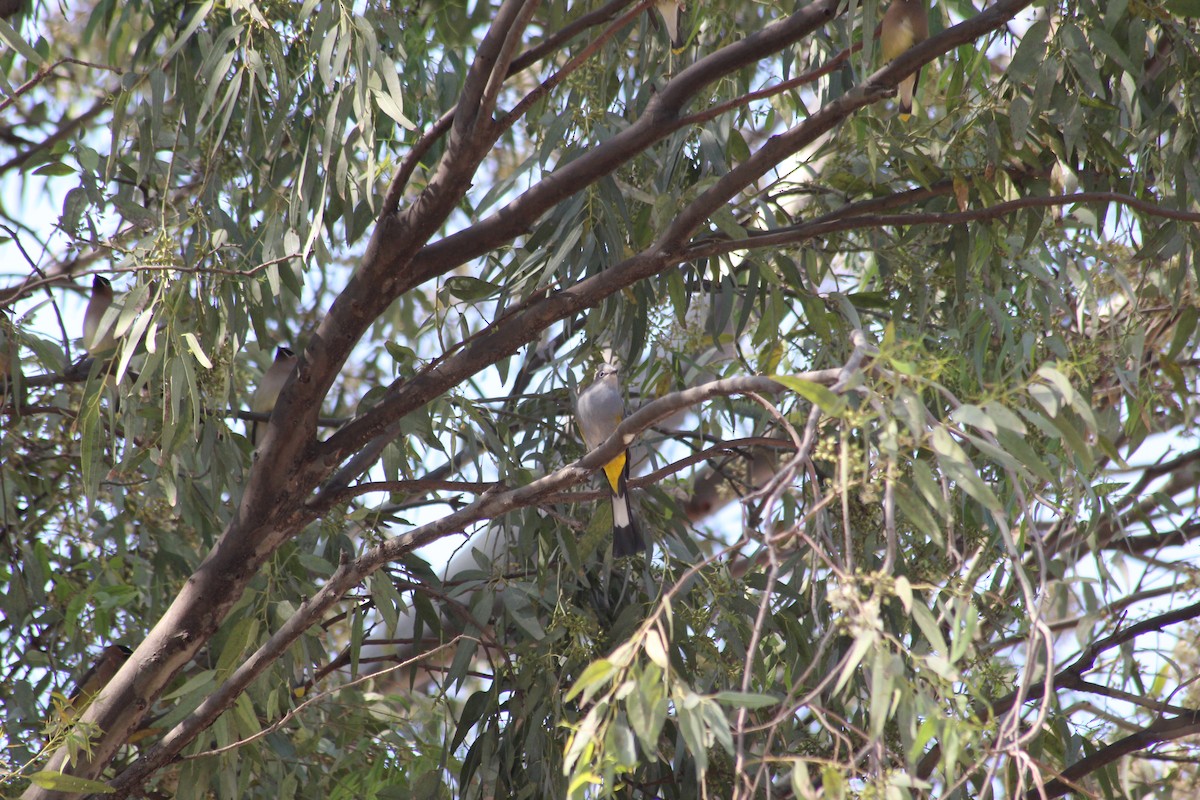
{"x": 96, "y": 341}
{"x": 599, "y": 411}
{"x": 263, "y": 400}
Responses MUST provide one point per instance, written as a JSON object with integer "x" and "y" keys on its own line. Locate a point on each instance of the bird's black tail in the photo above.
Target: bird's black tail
{"x": 627, "y": 538}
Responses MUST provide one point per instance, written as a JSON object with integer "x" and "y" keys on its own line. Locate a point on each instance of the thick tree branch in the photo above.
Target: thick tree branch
{"x": 478, "y": 97}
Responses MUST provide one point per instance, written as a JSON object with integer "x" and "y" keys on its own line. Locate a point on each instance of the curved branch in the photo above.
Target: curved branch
{"x": 1156, "y": 541}
{"x": 1130, "y": 697}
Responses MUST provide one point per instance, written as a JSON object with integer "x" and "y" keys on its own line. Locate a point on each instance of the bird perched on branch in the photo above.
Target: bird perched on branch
{"x": 599, "y": 411}
{"x": 111, "y": 659}
{"x": 905, "y": 25}
{"x": 98, "y": 339}
{"x": 7, "y": 350}
{"x": 267, "y": 393}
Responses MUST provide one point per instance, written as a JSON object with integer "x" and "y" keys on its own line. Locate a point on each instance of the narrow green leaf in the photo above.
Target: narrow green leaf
{"x": 194, "y": 347}
{"x": 1030, "y": 53}
{"x": 593, "y": 678}
{"x": 960, "y": 469}
{"x": 130, "y": 342}
{"x": 199, "y": 14}
{"x": 656, "y": 649}
{"x": 928, "y": 486}
{"x": 1019, "y": 112}
{"x": 1186, "y": 325}
{"x": 801, "y": 782}
{"x": 826, "y": 400}
{"x": 1075, "y": 441}
{"x": 1002, "y": 417}
{"x": 717, "y": 724}
{"x": 583, "y": 739}
{"x": 17, "y": 42}
{"x": 214, "y": 75}
{"x": 391, "y": 100}
{"x": 1105, "y": 43}
{"x": 929, "y": 627}
{"x": 527, "y": 622}
{"x": 1183, "y": 8}
{"x": 968, "y": 414}
{"x": 1058, "y": 381}
{"x": 91, "y": 446}
{"x": 464, "y": 657}
{"x": 904, "y": 593}
{"x": 387, "y": 600}
{"x": 1020, "y": 449}
{"x": 472, "y": 711}
{"x": 881, "y": 691}
{"x": 620, "y": 743}
{"x": 862, "y": 643}
{"x": 691, "y": 726}
{"x": 910, "y": 410}
{"x": 998, "y": 455}
{"x": 239, "y": 638}
{"x": 1046, "y": 397}
{"x": 199, "y": 684}
{"x": 750, "y": 700}
{"x": 245, "y": 717}
{"x": 646, "y": 708}
{"x": 58, "y": 782}
{"x": 55, "y": 169}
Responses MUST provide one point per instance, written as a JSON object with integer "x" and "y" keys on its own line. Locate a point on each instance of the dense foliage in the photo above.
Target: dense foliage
{"x": 914, "y": 439}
